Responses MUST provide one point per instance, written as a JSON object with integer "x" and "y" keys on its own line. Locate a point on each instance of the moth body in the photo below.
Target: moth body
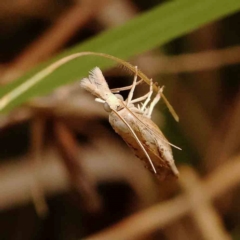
{"x": 134, "y": 124}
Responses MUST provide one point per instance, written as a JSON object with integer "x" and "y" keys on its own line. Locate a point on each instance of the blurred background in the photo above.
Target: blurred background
{"x": 65, "y": 174}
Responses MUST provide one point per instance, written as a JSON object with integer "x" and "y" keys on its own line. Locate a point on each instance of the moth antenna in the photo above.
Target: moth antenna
{"x": 172, "y": 145}
{"x": 138, "y": 141}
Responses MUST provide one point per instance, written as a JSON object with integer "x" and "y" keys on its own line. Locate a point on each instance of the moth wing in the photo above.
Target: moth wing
{"x": 143, "y": 120}
{"x": 148, "y": 140}
{"x": 156, "y": 143}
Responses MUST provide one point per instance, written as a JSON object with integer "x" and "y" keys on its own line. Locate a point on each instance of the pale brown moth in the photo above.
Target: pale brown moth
{"x": 134, "y": 124}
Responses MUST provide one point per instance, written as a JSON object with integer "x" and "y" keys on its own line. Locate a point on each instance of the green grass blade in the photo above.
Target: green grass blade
{"x": 145, "y": 32}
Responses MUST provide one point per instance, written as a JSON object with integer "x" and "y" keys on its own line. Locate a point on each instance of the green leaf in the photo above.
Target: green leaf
{"x": 145, "y": 32}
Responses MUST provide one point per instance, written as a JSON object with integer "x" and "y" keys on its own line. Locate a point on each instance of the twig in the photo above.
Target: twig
{"x": 225, "y": 136}
{"x": 192, "y": 62}
{"x": 53, "y": 39}
{"x": 37, "y": 131}
{"x": 82, "y": 183}
{"x": 14, "y": 189}
{"x": 116, "y": 13}
{"x": 143, "y": 223}
{"x": 15, "y": 117}
{"x": 160, "y": 215}
{"x": 202, "y": 211}
{"x": 194, "y": 117}
{"x": 15, "y": 178}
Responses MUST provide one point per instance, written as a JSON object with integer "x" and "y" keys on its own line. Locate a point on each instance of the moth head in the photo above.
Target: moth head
{"x": 107, "y": 107}
{"x": 114, "y": 102}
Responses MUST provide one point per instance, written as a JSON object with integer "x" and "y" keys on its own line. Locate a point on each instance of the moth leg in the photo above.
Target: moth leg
{"x": 140, "y": 98}
{"x": 130, "y": 95}
{"x": 148, "y": 97}
{"x": 117, "y": 90}
{"x": 154, "y": 102}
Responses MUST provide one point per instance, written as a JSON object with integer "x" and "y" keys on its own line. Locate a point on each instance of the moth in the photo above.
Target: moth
{"x": 133, "y": 123}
